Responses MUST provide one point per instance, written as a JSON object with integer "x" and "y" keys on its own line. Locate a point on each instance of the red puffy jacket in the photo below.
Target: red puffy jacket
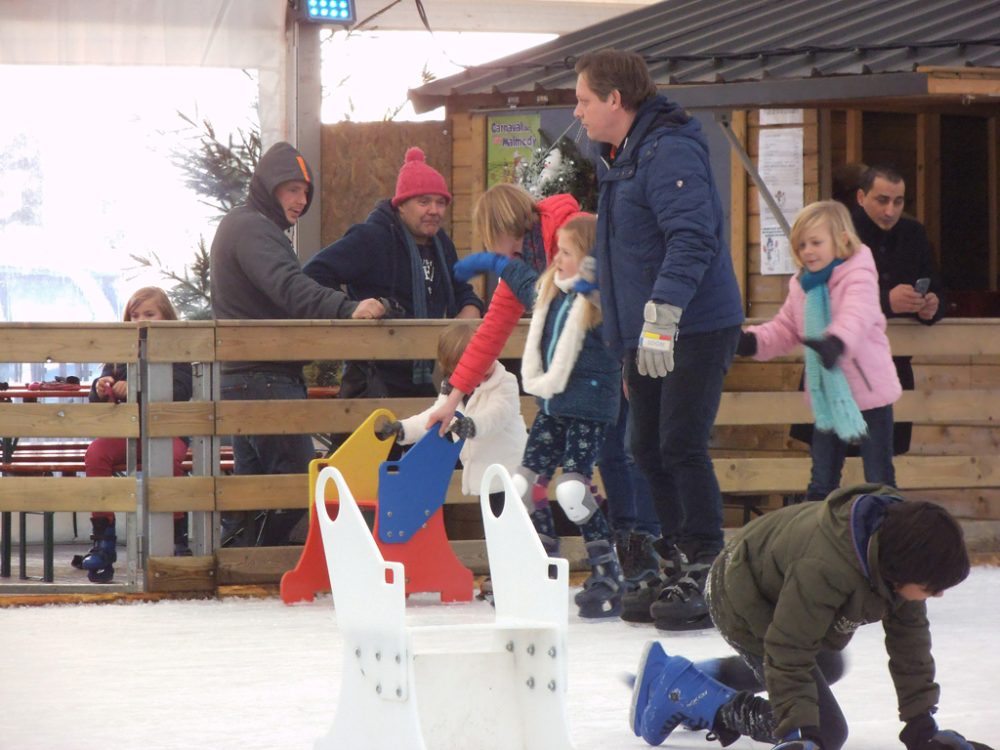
{"x": 505, "y": 309}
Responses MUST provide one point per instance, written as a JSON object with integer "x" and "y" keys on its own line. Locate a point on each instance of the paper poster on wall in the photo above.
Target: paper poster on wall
{"x": 780, "y": 116}
{"x": 511, "y": 139}
{"x": 780, "y": 166}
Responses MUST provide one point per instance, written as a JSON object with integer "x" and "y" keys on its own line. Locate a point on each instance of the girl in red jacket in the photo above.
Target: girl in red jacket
{"x": 522, "y": 236}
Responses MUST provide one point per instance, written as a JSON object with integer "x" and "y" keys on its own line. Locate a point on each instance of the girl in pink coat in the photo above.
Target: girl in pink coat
{"x": 833, "y": 308}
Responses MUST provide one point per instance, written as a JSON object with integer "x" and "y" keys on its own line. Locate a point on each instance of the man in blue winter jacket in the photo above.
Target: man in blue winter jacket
{"x": 672, "y": 311}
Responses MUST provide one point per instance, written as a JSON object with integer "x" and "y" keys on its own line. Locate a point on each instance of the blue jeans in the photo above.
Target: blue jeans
{"x": 268, "y": 454}
{"x": 672, "y": 421}
{"x": 630, "y": 506}
{"x": 828, "y": 452}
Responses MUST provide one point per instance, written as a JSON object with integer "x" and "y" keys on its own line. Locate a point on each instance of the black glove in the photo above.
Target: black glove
{"x": 829, "y": 348}
{"x": 389, "y": 429}
{"x": 922, "y": 733}
{"x": 392, "y": 308}
{"x": 464, "y": 427}
{"x": 748, "y": 344}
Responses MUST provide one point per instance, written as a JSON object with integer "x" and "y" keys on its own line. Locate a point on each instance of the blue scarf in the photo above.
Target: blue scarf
{"x": 423, "y": 369}
{"x": 832, "y": 403}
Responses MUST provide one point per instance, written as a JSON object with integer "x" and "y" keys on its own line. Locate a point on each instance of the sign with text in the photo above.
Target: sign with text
{"x": 511, "y": 140}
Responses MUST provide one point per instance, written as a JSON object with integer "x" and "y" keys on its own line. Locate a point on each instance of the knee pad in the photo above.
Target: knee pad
{"x": 574, "y": 497}
{"x": 524, "y": 480}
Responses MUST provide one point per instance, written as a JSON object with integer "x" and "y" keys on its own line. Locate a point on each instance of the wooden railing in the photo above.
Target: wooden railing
{"x": 153, "y": 347}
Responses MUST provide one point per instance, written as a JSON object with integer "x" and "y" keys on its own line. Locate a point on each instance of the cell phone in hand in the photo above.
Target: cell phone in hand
{"x": 922, "y": 285}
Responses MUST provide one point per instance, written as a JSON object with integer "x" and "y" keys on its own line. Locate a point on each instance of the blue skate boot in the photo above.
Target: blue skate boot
{"x": 681, "y": 694}
{"x": 98, "y": 562}
{"x": 651, "y": 665}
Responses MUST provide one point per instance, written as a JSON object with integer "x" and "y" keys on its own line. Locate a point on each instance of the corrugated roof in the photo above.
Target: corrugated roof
{"x": 691, "y": 42}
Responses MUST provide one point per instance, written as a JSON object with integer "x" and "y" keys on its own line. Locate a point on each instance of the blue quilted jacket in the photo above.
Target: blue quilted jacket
{"x": 661, "y": 231}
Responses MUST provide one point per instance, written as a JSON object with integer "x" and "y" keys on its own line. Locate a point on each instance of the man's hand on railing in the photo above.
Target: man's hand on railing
{"x": 392, "y": 308}
{"x": 368, "y": 309}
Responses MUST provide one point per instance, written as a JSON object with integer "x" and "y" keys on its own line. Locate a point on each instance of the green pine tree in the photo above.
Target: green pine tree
{"x": 219, "y": 171}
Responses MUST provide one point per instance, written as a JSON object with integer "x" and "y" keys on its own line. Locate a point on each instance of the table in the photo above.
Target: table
{"x": 29, "y": 396}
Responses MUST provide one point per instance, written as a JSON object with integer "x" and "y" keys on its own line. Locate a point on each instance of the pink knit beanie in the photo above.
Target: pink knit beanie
{"x": 417, "y": 178}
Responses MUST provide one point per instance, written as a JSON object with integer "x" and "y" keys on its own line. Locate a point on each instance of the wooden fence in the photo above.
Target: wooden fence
{"x": 153, "y": 347}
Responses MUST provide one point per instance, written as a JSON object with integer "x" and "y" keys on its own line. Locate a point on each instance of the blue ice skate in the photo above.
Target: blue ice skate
{"x": 679, "y": 694}
{"x": 651, "y": 665}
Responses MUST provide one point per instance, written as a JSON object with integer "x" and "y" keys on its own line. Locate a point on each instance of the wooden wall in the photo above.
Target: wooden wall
{"x": 899, "y": 139}
{"x": 361, "y": 162}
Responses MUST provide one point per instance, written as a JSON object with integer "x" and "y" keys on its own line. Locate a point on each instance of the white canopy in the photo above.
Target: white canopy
{"x": 246, "y": 34}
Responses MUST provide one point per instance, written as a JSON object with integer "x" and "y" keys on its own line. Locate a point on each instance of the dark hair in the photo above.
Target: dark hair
{"x": 922, "y": 543}
{"x": 885, "y": 171}
{"x": 609, "y": 69}
{"x": 846, "y": 181}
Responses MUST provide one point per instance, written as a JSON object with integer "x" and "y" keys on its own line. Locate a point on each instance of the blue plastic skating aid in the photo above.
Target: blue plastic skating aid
{"x": 412, "y": 489}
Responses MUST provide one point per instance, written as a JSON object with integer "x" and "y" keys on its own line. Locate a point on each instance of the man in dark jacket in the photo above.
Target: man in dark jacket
{"x": 903, "y": 255}
{"x": 255, "y": 275}
{"x": 400, "y": 252}
{"x": 666, "y": 278}
{"x": 795, "y": 584}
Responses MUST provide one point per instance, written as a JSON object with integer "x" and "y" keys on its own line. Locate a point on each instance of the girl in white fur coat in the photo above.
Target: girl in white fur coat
{"x": 578, "y": 383}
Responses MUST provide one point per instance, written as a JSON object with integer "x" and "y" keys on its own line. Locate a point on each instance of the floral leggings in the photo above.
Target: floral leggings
{"x": 574, "y": 444}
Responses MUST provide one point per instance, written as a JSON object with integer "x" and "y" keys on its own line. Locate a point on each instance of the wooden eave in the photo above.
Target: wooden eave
{"x": 925, "y": 88}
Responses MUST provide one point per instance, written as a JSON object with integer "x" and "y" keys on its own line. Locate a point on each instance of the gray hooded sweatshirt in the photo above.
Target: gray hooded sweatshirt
{"x": 255, "y": 274}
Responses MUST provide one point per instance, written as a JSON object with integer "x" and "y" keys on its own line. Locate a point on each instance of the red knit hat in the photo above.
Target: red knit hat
{"x": 417, "y": 178}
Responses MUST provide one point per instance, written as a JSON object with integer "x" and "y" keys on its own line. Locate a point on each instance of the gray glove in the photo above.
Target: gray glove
{"x": 390, "y": 429}
{"x": 587, "y": 283}
{"x": 655, "y": 355}
{"x": 464, "y": 427}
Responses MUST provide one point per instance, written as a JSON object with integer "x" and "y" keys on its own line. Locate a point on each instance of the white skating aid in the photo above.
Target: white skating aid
{"x": 492, "y": 687}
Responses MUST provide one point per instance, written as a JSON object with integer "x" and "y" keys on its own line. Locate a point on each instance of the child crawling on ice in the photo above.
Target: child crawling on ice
{"x": 787, "y": 593}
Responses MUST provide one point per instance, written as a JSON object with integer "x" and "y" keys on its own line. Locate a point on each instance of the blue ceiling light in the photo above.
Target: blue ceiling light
{"x": 341, "y": 12}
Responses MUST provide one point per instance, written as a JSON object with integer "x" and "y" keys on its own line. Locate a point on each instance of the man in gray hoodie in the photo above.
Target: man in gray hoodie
{"x": 256, "y": 275}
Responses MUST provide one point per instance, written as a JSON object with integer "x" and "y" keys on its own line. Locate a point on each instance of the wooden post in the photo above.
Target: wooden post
{"x": 824, "y": 128}
{"x": 853, "y": 135}
{"x": 738, "y": 206}
{"x": 993, "y": 205}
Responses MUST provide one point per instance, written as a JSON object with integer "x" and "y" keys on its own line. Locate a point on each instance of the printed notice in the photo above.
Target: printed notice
{"x": 781, "y": 117}
{"x": 780, "y": 166}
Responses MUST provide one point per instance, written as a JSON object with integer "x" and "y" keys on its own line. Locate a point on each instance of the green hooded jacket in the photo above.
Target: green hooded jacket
{"x": 804, "y": 578}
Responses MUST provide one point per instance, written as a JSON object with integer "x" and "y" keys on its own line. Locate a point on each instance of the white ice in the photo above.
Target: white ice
{"x": 246, "y": 673}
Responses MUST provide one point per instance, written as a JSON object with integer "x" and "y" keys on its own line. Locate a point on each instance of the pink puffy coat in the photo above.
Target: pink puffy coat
{"x": 857, "y": 320}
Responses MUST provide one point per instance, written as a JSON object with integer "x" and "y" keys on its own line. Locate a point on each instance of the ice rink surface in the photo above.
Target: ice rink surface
{"x": 255, "y": 673}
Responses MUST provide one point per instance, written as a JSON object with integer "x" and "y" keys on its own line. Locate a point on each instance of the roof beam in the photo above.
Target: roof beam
{"x": 537, "y": 16}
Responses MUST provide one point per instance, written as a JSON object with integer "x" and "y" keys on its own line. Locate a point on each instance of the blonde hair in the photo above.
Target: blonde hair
{"x": 451, "y": 345}
{"x": 834, "y": 215}
{"x": 145, "y": 294}
{"x": 504, "y": 209}
{"x": 580, "y": 233}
